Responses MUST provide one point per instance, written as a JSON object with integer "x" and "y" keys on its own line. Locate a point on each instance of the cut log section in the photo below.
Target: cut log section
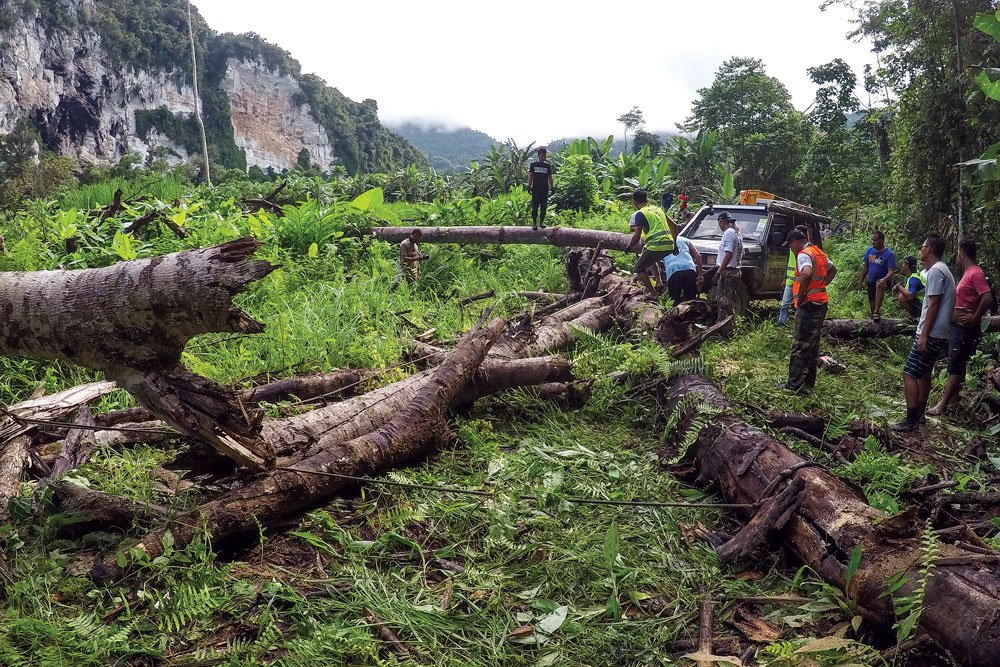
{"x": 132, "y": 320}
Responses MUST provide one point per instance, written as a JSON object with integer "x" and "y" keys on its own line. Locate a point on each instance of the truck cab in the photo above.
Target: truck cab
{"x": 764, "y": 226}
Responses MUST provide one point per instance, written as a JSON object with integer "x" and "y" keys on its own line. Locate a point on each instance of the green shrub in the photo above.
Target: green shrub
{"x": 576, "y": 184}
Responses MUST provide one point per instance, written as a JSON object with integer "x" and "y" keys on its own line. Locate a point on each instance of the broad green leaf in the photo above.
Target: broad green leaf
{"x": 553, "y": 621}
{"x": 314, "y": 251}
{"x": 122, "y": 245}
{"x": 852, "y": 566}
{"x": 990, "y": 87}
{"x": 728, "y": 186}
{"x": 988, "y": 23}
{"x": 906, "y": 627}
{"x": 370, "y": 200}
{"x": 611, "y": 546}
{"x": 612, "y": 608}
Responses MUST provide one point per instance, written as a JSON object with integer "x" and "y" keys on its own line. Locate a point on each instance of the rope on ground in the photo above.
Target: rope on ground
{"x": 518, "y": 496}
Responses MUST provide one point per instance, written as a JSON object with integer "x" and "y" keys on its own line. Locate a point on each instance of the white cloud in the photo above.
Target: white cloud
{"x": 533, "y": 70}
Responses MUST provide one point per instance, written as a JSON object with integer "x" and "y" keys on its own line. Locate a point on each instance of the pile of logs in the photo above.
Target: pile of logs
{"x": 132, "y": 320}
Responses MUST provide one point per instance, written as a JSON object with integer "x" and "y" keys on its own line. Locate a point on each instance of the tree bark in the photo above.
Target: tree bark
{"x": 557, "y": 236}
{"x": 854, "y": 329}
{"x": 315, "y": 477}
{"x": 962, "y": 603}
{"x": 132, "y": 320}
{"x": 13, "y": 462}
{"x": 357, "y": 416}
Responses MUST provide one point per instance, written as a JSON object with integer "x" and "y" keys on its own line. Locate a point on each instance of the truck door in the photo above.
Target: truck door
{"x": 776, "y": 253}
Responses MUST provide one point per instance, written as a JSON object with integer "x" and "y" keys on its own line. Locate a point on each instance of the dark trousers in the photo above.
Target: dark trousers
{"x": 683, "y": 285}
{"x": 539, "y": 204}
{"x": 805, "y": 345}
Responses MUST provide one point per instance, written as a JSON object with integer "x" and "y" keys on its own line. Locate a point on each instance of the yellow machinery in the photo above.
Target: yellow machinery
{"x": 753, "y": 197}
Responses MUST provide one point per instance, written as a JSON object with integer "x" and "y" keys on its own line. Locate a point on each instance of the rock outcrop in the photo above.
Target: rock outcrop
{"x": 64, "y": 74}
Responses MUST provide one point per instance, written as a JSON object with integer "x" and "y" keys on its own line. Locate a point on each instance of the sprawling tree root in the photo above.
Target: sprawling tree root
{"x": 557, "y": 236}
{"x": 316, "y": 476}
{"x": 132, "y": 320}
{"x": 962, "y": 601}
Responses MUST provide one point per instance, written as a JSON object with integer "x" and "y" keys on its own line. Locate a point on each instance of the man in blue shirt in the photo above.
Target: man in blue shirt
{"x": 683, "y": 270}
{"x": 881, "y": 264}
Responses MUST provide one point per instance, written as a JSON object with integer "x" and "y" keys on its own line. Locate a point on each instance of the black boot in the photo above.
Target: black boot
{"x": 908, "y": 423}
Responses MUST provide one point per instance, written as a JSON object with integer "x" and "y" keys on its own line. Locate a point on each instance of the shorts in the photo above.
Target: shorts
{"x": 649, "y": 258}
{"x": 920, "y": 364}
{"x": 960, "y": 348}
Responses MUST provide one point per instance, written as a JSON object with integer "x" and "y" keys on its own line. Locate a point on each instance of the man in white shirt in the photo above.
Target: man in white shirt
{"x": 729, "y": 262}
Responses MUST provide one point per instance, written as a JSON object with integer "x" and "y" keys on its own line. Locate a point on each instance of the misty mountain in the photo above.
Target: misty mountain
{"x": 447, "y": 149}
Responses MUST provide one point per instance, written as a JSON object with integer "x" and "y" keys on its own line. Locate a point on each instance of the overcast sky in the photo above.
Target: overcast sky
{"x": 537, "y": 71}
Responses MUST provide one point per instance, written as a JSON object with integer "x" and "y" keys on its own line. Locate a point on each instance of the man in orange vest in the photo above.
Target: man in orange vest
{"x": 813, "y": 272}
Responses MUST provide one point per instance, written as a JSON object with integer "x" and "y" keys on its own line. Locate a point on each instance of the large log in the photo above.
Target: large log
{"x": 317, "y": 476}
{"x": 132, "y": 320}
{"x": 566, "y": 237}
{"x": 853, "y": 329}
{"x": 962, "y": 601}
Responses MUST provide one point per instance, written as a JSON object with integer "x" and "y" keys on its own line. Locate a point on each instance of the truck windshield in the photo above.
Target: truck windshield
{"x": 751, "y": 224}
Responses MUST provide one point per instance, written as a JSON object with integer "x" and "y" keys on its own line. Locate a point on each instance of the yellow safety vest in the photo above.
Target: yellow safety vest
{"x": 790, "y": 271}
{"x": 658, "y": 237}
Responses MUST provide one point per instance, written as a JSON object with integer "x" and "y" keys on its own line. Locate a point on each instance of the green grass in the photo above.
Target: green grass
{"x": 614, "y": 585}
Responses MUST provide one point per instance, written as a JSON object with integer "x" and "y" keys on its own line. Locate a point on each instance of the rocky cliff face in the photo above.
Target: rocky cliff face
{"x": 62, "y": 80}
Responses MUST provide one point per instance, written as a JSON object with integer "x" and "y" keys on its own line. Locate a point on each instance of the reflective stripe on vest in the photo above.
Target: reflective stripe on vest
{"x": 920, "y": 279}
{"x": 658, "y": 237}
{"x": 790, "y": 271}
{"x": 816, "y": 292}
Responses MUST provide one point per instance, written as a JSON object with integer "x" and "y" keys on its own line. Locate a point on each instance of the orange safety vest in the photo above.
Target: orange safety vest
{"x": 816, "y": 292}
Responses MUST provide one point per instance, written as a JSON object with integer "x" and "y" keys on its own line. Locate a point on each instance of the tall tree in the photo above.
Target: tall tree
{"x": 631, "y": 119}
{"x": 759, "y": 130}
{"x": 925, "y": 51}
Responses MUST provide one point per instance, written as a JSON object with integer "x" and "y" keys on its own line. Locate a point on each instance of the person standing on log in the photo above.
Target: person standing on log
{"x": 933, "y": 332}
{"x": 729, "y": 263}
{"x": 650, "y": 224}
{"x": 408, "y": 267}
{"x": 540, "y": 183}
{"x": 973, "y": 299}
{"x": 786, "y": 296}
{"x": 813, "y": 272}
{"x": 880, "y": 263}
{"x": 910, "y": 293}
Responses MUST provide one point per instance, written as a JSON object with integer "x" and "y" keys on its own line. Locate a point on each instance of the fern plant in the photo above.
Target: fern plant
{"x": 908, "y": 608}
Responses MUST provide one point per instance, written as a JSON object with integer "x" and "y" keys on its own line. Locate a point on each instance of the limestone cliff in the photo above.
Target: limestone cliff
{"x": 102, "y": 78}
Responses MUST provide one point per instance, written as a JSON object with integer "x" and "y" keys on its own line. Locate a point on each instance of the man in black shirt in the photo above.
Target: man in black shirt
{"x": 539, "y": 182}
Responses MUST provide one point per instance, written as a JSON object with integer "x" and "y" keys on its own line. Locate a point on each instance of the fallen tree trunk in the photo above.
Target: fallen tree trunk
{"x": 132, "y": 320}
{"x": 557, "y": 236}
{"x": 854, "y": 329}
{"x": 962, "y": 600}
{"x": 364, "y": 414}
{"x": 320, "y": 474}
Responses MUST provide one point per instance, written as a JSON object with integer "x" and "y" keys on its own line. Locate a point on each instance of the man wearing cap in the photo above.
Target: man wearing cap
{"x": 540, "y": 182}
{"x": 729, "y": 261}
{"x": 651, "y": 224}
{"x": 910, "y": 294}
{"x": 786, "y": 296}
{"x": 813, "y": 272}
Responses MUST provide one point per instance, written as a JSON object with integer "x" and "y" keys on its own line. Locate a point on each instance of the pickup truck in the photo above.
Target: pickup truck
{"x": 765, "y": 228}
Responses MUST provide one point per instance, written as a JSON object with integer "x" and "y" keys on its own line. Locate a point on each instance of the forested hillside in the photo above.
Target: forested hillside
{"x": 447, "y": 149}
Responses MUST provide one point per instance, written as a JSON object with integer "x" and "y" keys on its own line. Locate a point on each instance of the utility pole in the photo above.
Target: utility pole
{"x": 197, "y": 101}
